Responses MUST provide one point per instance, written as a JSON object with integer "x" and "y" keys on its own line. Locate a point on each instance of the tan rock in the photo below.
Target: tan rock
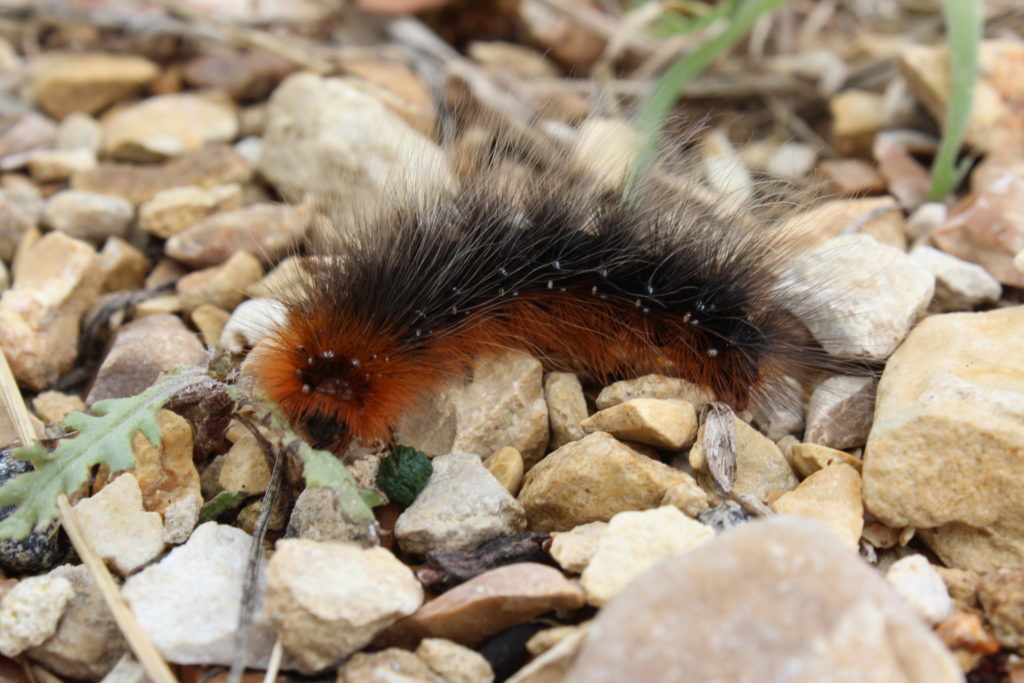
{"x": 839, "y": 412}
{"x": 55, "y": 282}
{"x": 959, "y": 285}
{"x": 399, "y": 88}
{"x": 175, "y": 209}
{"x": 245, "y": 467}
{"x": 167, "y": 126}
{"x": 117, "y": 526}
{"x": 669, "y": 425}
{"x": 566, "y": 407}
{"x": 453, "y": 662}
{"x": 328, "y": 600}
{"x": 210, "y": 321}
{"x": 653, "y": 386}
{"x": 87, "y": 215}
{"x": 393, "y": 665}
{"x": 554, "y": 663}
{"x": 66, "y": 83}
{"x": 506, "y": 465}
{"x": 833, "y": 497}
{"x": 269, "y": 230}
{"x": 591, "y": 480}
{"x": 563, "y": 39}
{"x": 223, "y": 285}
{"x": 512, "y": 58}
{"x": 54, "y": 406}
{"x": 53, "y": 165}
{"x": 808, "y": 458}
{"x": 486, "y": 604}
{"x": 943, "y": 454}
{"x": 31, "y": 611}
{"x": 1001, "y": 594}
{"x": 166, "y": 474}
{"x": 207, "y": 167}
{"x": 124, "y": 267}
{"x": 878, "y": 217}
{"x": 688, "y": 497}
{"x": 761, "y": 469}
{"x": 807, "y": 606}
{"x": 857, "y": 115}
{"x": 852, "y": 177}
{"x": 78, "y": 130}
{"x": 574, "y": 549}
{"x": 158, "y": 305}
{"x": 635, "y": 541}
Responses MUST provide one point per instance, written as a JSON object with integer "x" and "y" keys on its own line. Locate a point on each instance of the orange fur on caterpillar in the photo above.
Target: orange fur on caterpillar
{"x": 548, "y": 263}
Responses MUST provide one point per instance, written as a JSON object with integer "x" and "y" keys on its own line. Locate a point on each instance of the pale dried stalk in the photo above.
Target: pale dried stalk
{"x": 156, "y": 668}
{"x": 274, "y": 665}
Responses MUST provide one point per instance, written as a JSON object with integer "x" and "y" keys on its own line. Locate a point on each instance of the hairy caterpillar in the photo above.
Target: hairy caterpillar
{"x": 550, "y": 263}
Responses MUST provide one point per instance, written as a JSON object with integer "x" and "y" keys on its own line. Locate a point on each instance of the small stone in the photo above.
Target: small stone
{"x": 943, "y": 455}
{"x": 453, "y": 662}
{"x": 653, "y": 386}
{"x": 512, "y": 58}
{"x": 124, "y": 267}
{"x": 591, "y": 480}
{"x": 117, "y": 527}
{"x": 962, "y": 585}
{"x": 761, "y": 469}
{"x": 562, "y": 38}
{"x": 392, "y": 665}
{"x": 222, "y": 286}
{"x": 503, "y": 405}
{"x": 180, "y": 518}
{"x": 314, "y": 142}
{"x": 88, "y": 216}
{"x": 165, "y": 272}
{"x": 781, "y": 595}
{"x": 193, "y": 621}
{"x": 857, "y": 115}
{"x": 127, "y": 670}
{"x": 54, "y": 406}
{"x": 87, "y": 643}
{"x": 925, "y": 220}
{"x": 506, "y": 465}
{"x": 574, "y": 549}
{"x": 399, "y": 88}
{"x": 210, "y": 321}
{"x": 87, "y": 82}
{"x": 167, "y": 126}
{"x": 808, "y": 458}
{"x": 966, "y": 636}
{"x": 53, "y": 165}
{"x": 959, "y": 285}
{"x": 41, "y": 549}
{"x": 21, "y": 208}
{"x": 871, "y": 296}
{"x": 688, "y": 497}
{"x": 635, "y": 541}
{"x": 270, "y": 230}
{"x": 328, "y": 600}
{"x": 317, "y": 516}
{"x": 78, "y": 131}
{"x": 831, "y": 496}
{"x": 491, "y": 602}
{"x": 141, "y": 351}
{"x": 724, "y": 517}
{"x": 665, "y": 425}
{"x": 245, "y": 468}
{"x": 852, "y": 177}
{"x": 245, "y": 76}
{"x": 158, "y": 305}
{"x": 878, "y": 217}
{"x": 1001, "y": 594}
{"x": 839, "y": 412}
{"x": 553, "y": 664}
{"x": 166, "y": 474}
{"x": 31, "y": 611}
{"x": 920, "y": 585}
{"x": 178, "y": 208}
{"x": 55, "y": 282}
{"x": 566, "y": 407}
{"x": 462, "y": 506}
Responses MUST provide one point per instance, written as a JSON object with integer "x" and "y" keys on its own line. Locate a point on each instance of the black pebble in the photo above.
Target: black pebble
{"x": 38, "y": 551}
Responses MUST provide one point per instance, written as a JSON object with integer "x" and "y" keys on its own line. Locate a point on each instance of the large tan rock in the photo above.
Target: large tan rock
{"x": 832, "y": 496}
{"x": 945, "y": 451}
{"x": 65, "y": 83}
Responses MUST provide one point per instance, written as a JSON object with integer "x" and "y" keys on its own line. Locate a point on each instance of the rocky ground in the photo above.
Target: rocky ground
{"x": 161, "y": 167}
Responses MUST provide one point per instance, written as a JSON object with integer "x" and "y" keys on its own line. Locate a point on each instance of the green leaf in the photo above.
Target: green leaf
{"x": 403, "y": 474}
{"x": 964, "y": 25}
{"x": 102, "y": 438}
{"x": 219, "y": 504}
{"x": 323, "y": 469}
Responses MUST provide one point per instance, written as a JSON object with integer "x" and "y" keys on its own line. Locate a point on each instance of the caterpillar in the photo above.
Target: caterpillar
{"x": 551, "y": 263}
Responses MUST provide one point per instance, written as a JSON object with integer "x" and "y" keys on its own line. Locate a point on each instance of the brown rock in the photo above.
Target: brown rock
{"x": 852, "y": 177}
{"x": 808, "y": 458}
{"x": 669, "y": 425}
{"x": 173, "y": 210}
{"x": 591, "y": 480}
{"x": 166, "y": 474}
{"x": 245, "y": 468}
{"x": 245, "y": 76}
{"x": 567, "y": 407}
{"x": 831, "y": 496}
{"x": 393, "y": 665}
{"x": 53, "y": 406}
{"x": 88, "y": 216}
{"x": 55, "y": 282}
{"x": 142, "y": 350}
{"x": 222, "y": 285}
{"x": 210, "y": 322}
{"x": 774, "y": 596}
{"x": 453, "y": 662}
{"x": 564, "y": 39}
{"x": 65, "y": 83}
{"x": 857, "y": 115}
{"x": 839, "y": 412}
{"x": 506, "y": 465}
{"x": 1001, "y": 594}
{"x": 212, "y": 165}
{"x": 167, "y": 126}
{"x": 484, "y": 605}
{"x": 124, "y": 266}
{"x": 269, "y": 230}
